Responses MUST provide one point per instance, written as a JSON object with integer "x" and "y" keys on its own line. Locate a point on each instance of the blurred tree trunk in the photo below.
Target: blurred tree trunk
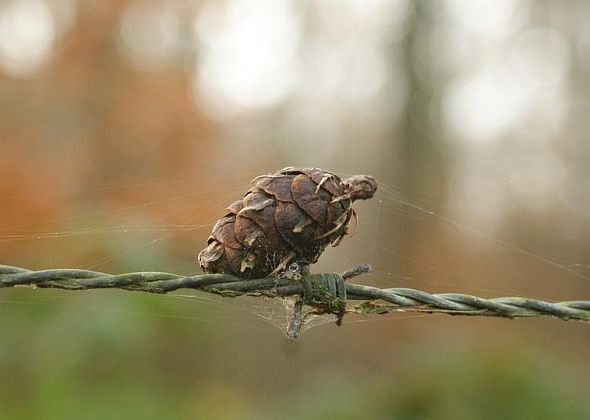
{"x": 422, "y": 161}
{"x": 422, "y": 164}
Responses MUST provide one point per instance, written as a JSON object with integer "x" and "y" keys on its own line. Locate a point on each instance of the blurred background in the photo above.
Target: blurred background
{"x": 127, "y": 126}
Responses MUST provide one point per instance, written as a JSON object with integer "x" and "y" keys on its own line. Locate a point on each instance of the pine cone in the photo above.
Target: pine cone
{"x": 292, "y": 215}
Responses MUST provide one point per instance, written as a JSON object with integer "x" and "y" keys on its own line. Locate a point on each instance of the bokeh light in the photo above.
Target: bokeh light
{"x": 27, "y": 34}
{"x": 150, "y": 33}
{"x": 247, "y": 57}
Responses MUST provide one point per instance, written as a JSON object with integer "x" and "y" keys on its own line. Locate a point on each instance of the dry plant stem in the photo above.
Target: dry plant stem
{"x": 231, "y": 286}
{"x": 296, "y": 320}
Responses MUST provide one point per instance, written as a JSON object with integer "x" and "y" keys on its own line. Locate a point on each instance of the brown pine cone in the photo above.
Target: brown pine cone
{"x": 292, "y": 215}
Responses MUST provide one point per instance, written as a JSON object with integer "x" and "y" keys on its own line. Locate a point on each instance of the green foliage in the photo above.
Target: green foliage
{"x": 448, "y": 384}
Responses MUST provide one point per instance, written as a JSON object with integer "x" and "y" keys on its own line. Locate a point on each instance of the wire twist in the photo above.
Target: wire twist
{"x": 227, "y": 285}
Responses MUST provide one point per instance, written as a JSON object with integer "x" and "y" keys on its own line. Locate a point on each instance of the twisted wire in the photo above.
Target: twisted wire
{"x": 397, "y": 299}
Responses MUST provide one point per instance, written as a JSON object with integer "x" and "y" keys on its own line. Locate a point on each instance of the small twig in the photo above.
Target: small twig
{"x": 357, "y": 271}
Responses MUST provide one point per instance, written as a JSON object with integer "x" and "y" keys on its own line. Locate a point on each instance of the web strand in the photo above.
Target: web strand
{"x": 273, "y": 314}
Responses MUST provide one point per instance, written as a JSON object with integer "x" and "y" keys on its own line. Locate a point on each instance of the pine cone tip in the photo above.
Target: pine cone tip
{"x": 360, "y": 187}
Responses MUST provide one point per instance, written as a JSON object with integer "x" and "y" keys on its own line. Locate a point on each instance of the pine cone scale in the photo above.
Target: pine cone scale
{"x": 310, "y": 199}
{"x": 279, "y": 187}
{"x": 248, "y": 233}
{"x": 236, "y": 206}
{"x": 290, "y": 219}
{"x": 223, "y": 232}
{"x": 335, "y": 213}
{"x": 264, "y": 218}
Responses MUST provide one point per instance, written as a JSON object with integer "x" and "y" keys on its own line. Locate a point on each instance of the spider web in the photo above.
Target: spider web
{"x": 140, "y": 232}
